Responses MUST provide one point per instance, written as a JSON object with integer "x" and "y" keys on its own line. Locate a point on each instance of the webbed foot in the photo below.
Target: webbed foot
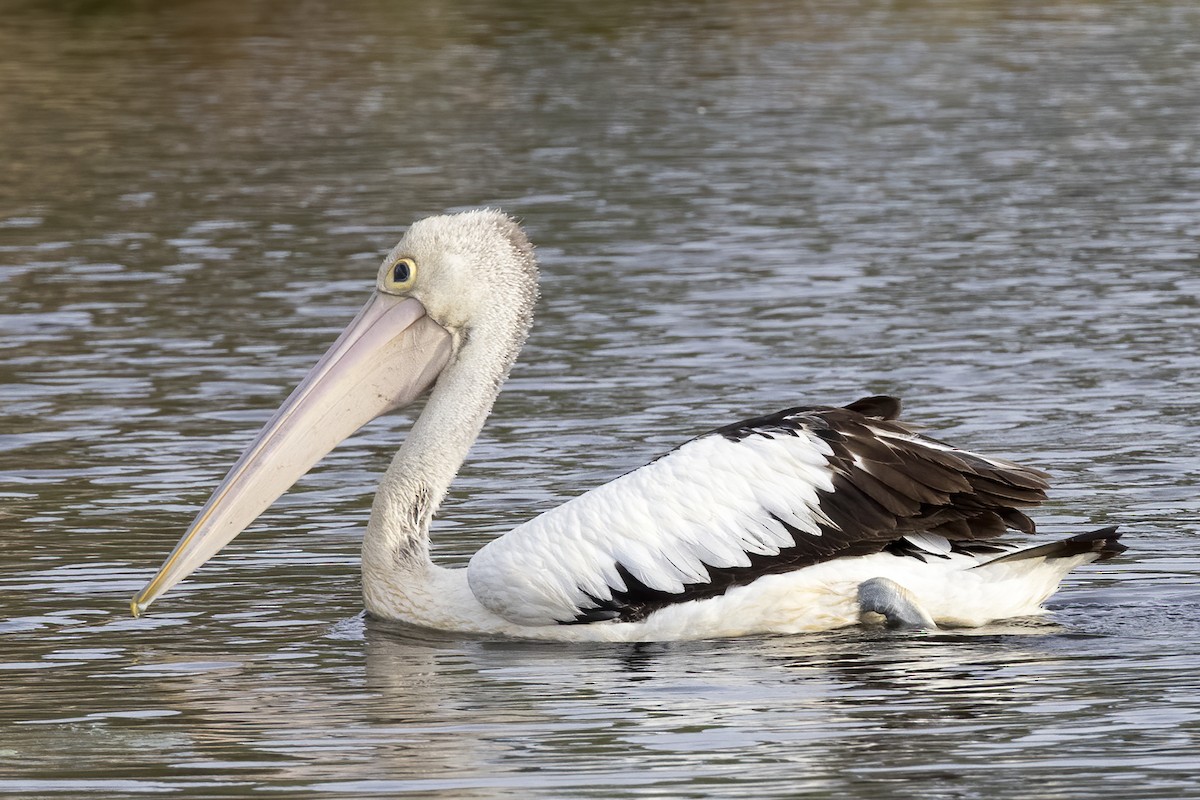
{"x": 894, "y": 602}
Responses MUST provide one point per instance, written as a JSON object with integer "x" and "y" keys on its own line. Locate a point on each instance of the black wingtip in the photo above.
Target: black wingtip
{"x": 1105, "y": 542}
{"x": 878, "y": 406}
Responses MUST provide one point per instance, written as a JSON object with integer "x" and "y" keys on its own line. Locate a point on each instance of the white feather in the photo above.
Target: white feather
{"x": 930, "y": 542}
{"x": 707, "y": 504}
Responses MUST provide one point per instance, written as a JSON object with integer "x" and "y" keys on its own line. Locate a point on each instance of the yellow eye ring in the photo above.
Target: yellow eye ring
{"x": 402, "y": 274}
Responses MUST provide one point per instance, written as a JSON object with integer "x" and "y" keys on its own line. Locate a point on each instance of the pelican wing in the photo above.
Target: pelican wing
{"x": 766, "y": 495}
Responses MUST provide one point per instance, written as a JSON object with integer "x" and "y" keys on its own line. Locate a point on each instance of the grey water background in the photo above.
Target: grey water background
{"x": 991, "y": 209}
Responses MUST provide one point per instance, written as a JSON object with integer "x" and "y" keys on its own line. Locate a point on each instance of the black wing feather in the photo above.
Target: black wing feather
{"x": 888, "y": 481}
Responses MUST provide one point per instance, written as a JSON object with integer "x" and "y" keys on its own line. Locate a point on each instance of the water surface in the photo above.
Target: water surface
{"x": 988, "y": 209}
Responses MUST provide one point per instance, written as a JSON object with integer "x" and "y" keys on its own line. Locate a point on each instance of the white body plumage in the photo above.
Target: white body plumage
{"x": 818, "y": 598}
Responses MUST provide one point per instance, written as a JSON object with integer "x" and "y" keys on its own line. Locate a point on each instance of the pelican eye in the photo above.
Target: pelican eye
{"x": 403, "y": 273}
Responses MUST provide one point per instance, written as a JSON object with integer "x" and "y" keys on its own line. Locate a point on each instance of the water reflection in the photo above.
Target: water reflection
{"x": 987, "y": 208}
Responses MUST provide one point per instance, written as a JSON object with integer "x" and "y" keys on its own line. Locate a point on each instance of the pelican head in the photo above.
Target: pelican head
{"x": 453, "y": 284}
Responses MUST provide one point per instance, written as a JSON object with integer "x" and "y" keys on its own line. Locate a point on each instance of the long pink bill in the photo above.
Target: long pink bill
{"x": 390, "y": 354}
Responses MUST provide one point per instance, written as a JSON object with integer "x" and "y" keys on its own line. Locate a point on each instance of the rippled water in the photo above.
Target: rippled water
{"x": 990, "y": 209}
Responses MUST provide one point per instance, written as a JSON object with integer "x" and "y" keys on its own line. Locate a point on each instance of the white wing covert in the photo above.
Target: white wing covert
{"x": 767, "y": 495}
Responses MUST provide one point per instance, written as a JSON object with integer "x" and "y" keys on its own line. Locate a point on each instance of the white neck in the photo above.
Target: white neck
{"x": 395, "y": 552}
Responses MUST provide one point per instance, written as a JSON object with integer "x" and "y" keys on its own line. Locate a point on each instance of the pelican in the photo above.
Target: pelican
{"x": 808, "y": 519}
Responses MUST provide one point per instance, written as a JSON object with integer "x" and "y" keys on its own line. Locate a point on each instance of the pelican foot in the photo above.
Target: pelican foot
{"x": 894, "y": 602}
